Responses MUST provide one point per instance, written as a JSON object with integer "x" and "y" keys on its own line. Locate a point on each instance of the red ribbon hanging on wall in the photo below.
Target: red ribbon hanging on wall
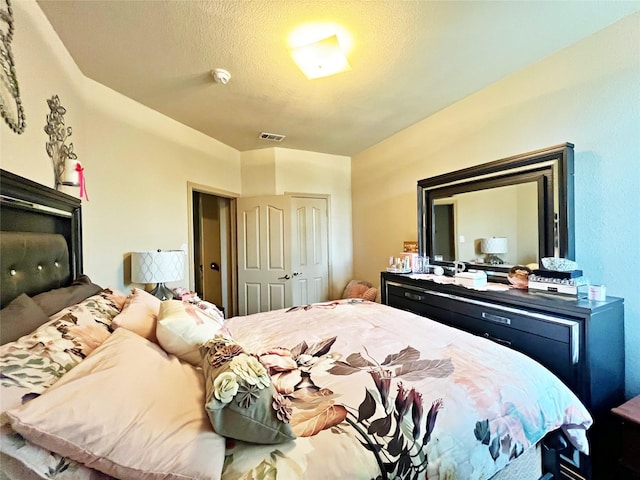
{"x": 81, "y": 180}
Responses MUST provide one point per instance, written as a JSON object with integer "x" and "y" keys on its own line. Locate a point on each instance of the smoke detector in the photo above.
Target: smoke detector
{"x": 220, "y": 75}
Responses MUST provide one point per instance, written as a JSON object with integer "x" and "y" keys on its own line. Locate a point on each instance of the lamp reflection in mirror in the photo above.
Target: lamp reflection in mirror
{"x": 492, "y": 247}
{"x": 158, "y": 266}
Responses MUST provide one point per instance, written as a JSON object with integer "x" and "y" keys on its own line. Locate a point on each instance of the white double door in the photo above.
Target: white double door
{"x": 283, "y": 245}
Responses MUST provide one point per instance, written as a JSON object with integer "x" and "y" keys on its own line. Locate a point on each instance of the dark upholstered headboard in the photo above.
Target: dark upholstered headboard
{"x": 40, "y": 237}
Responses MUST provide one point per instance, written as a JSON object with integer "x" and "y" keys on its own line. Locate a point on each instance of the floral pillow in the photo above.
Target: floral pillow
{"x": 34, "y": 362}
{"x": 241, "y": 400}
{"x": 182, "y": 327}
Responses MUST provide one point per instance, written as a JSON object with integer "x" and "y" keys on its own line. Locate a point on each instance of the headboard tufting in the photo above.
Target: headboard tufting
{"x": 41, "y": 237}
{"x": 32, "y": 263}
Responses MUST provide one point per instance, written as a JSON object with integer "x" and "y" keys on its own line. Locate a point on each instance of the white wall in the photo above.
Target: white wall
{"x": 589, "y": 95}
{"x": 259, "y": 172}
{"x": 300, "y": 171}
{"x": 278, "y": 171}
{"x": 137, "y": 161}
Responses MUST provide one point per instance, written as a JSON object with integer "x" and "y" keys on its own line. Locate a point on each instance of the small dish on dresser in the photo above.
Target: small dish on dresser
{"x": 519, "y": 276}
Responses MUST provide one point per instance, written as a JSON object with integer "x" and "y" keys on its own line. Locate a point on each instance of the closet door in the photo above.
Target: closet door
{"x": 282, "y": 252}
{"x": 264, "y": 254}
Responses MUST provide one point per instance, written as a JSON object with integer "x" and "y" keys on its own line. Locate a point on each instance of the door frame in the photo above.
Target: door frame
{"x": 192, "y": 187}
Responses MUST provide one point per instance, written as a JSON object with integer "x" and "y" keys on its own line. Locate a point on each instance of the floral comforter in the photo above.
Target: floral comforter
{"x": 375, "y": 393}
{"x": 384, "y": 393}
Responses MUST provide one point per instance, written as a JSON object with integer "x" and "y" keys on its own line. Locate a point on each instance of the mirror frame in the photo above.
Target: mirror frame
{"x": 552, "y": 170}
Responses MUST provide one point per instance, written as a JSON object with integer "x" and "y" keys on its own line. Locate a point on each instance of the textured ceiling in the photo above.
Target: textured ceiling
{"x": 409, "y": 60}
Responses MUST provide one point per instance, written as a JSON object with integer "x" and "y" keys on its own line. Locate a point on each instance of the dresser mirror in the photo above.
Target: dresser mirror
{"x": 511, "y": 211}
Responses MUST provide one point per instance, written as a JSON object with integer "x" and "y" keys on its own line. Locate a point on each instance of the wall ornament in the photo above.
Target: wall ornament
{"x": 10, "y": 104}
{"x": 67, "y": 170}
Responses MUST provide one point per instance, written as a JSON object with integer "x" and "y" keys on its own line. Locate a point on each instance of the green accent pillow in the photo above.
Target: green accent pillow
{"x": 241, "y": 401}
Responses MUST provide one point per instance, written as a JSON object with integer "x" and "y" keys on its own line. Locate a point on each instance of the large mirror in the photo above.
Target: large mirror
{"x": 512, "y": 211}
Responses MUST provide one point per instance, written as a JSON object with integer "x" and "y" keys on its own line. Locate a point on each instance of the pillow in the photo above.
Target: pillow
{"x": 34, "y": 362}
{"x": 21, "y": 316}
{"x": 55, "y": 300}
{"x": 158, "y": 430}
{"x": 116, "y": 296}
{"x": 360, "y": 289}
{"x": 182, "y": 328}
{"x": 140, "y": 314}
{"x": 181, "y": 293}
{"x": 241, "y": 401}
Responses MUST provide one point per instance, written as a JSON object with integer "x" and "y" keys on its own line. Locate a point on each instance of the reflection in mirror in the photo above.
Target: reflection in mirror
{"x": 512, "y": 211}
{"x": 463, "y": 220}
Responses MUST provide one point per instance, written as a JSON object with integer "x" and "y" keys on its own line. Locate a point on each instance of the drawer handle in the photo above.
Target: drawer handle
{"x": 506, "y": 343}
{"x": 496, "y": 318}
{"x": 414, "y": 296}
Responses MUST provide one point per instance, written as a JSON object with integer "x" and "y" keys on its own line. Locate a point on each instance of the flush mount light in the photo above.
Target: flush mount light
{"x": 322, "y": 58}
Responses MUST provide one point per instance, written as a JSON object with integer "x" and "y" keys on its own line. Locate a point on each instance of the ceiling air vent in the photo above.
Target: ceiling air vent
{"x": 272, "y": 137}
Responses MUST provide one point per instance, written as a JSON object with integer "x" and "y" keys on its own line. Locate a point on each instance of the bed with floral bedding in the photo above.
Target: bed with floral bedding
{"x": 345, "y": 389}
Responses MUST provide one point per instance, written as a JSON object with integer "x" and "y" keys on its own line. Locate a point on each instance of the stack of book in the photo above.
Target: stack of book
{"x": 570, "y": 282}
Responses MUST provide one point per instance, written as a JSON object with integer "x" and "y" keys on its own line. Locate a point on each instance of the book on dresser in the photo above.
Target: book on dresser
{"x": 580, "y": 341}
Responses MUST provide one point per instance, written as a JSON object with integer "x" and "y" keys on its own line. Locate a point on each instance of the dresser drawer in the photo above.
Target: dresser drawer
{"x": 553, "y": 341}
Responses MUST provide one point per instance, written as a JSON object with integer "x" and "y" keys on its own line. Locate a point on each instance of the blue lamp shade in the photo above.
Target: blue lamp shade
{"x": 158, "y": 266}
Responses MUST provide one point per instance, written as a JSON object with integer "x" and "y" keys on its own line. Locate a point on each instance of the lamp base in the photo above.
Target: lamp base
{"x": 162, "y": 292}
{"x": 493, "y": 259}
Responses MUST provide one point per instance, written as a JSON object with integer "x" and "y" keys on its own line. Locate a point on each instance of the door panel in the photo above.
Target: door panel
{"x": 275, "y": 239}
{"x": 277, "y": 296}
{"x": 283, "y": 252}
{"x": 252, "y": 297}
{"x": 251, "y": 225}
{"x": 310, "y": 261}
{"x": 264, "y": 238}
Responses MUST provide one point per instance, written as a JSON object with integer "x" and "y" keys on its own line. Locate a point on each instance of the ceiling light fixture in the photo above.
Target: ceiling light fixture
{"x": 321, "y": 59}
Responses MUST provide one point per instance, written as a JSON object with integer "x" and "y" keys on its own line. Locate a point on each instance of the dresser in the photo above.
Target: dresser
{"x": 580, "y": 341}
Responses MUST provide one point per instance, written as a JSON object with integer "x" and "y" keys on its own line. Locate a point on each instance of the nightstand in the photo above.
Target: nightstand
{"x": 629, "y": 413}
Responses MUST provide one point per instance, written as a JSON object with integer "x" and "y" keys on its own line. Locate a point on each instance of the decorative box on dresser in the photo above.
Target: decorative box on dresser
{"x": 580, "y": 341}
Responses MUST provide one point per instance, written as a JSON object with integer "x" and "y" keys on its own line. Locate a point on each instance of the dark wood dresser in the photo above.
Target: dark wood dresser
{"x": 580, "y": 341}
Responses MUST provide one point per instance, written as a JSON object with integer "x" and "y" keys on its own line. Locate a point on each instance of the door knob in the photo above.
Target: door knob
{"x": 295, "y": 274}
{"x": 286, "y": 277}
{"x": 215, "y": 266}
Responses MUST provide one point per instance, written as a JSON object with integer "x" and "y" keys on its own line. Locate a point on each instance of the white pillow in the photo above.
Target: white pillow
{"x": 128, "y": 410}
{"x": 182, "y": 327}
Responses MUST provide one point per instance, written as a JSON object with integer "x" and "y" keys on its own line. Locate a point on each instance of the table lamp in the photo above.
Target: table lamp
{"x": 492, "y": 247}
{"x": 158, "y": 266}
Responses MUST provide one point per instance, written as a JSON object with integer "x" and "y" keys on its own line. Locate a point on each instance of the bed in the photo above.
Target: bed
{"x": 98, "y": 383}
